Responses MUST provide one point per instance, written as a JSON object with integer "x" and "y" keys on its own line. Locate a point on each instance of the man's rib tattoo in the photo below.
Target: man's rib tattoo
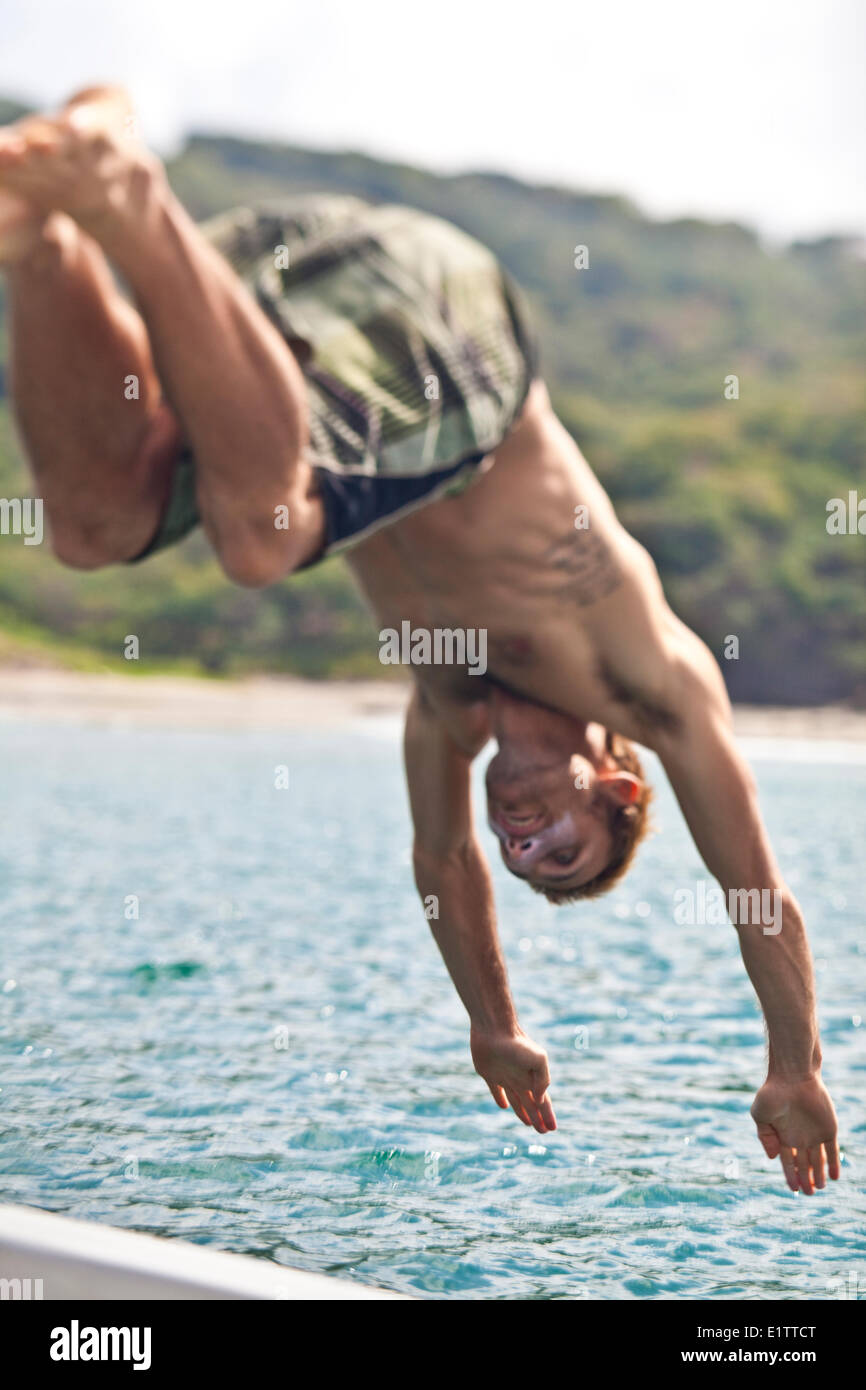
{"x": 587, "y": 563}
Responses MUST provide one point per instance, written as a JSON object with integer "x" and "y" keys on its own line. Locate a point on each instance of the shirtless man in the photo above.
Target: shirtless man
{"x": 581, "y": 642}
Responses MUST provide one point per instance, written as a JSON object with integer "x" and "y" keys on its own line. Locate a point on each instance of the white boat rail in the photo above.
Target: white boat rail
{"x": 46, "y": 1256}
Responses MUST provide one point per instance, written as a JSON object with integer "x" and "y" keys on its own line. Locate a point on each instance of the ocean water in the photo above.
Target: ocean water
{"x": 222, "y": 1018}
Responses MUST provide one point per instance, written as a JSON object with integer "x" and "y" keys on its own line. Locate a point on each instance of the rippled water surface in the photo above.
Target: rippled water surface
{"x": 270, "y": 1058}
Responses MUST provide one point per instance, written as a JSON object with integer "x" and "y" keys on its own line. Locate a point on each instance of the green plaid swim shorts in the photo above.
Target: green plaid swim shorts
{"x": 421, "y": 352}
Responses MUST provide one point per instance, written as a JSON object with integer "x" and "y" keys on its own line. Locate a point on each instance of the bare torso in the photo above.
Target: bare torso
{"x": 572, "y": 606}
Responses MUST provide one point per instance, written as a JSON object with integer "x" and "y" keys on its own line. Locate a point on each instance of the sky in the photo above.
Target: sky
{"x": 752, "y": 110}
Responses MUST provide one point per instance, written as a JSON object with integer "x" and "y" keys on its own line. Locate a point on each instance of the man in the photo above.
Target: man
{"x": 367, "y": 381}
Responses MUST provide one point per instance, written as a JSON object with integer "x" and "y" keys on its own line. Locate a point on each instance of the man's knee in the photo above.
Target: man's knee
{"x": 77, "y": 553}
{"x": 110, "y": 524}
{"x": 253, "y": 564}
{"x": 254, "y": 553}
{"x": 93, "y": 545}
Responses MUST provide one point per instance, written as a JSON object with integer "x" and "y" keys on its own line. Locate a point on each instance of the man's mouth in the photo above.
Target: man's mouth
{"x": 515, "y": 824}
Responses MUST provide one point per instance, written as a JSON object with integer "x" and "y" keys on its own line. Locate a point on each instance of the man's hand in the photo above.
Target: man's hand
{"x": 797, "y": 1123}
{"x": 516, "y": 1072}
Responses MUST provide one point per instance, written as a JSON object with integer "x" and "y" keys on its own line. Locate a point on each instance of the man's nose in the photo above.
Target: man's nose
{"x": 519, "y": 848}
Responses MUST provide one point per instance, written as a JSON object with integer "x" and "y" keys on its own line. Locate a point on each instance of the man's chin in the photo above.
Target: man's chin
{"x": 514, "y": 779}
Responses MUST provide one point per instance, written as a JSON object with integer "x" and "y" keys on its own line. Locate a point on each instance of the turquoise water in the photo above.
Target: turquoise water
{"x": 271, "y": 1059}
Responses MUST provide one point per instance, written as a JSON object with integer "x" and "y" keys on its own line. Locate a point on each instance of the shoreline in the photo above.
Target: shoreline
{"x": 259, "y": 702}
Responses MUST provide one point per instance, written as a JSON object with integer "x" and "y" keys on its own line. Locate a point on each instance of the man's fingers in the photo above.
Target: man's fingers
{"x": 543, "y": 1109}
{"x": 517, "y": 1106}
{"x": 34, "y": 135}
{"x": 833, "y": 1165}
{"x": 42, "y": 142}
{"x": 804, "y": 1172}
{"x": 533, "y": 1112}
{"x": 498, "y": 1095}
{"x": 790, "y": 1166}
{"x": 546, "y": 1108}
{"x": 769, "y": 1139}
{"x": 540, "y": 1080}
{"x": 816, "y": 1163}
{"x": 525, "y": 1106}
{"x": 11, "y": 147}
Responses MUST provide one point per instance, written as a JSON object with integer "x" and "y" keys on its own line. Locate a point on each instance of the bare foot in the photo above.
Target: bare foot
{"x": 84, "y": 161}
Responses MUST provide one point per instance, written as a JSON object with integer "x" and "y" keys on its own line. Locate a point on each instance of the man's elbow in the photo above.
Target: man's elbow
{"x": 435, "y": 863}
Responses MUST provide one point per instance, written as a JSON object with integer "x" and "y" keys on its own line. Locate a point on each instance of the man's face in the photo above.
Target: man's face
{"x": 552, "y": 819}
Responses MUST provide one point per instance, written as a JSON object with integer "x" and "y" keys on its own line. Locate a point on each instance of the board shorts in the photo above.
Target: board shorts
{"x": 421, "y": 357}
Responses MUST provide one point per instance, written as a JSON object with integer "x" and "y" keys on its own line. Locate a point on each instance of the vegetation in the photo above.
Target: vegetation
{"x": 729, "y": 495}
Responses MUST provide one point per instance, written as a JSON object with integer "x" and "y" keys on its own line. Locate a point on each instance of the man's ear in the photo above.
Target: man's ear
{"x": 624, "y": 786}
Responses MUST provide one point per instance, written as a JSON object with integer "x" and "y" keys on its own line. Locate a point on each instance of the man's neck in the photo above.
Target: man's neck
{"x": 515, "y": 720}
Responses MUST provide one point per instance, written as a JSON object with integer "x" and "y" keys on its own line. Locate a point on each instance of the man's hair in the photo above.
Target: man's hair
{"x": 628, "y": 826}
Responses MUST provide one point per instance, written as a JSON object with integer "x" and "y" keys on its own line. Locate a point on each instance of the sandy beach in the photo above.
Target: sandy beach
{"x": 59, "y": 696}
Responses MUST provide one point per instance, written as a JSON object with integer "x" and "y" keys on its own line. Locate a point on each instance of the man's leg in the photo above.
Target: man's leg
{"x": 228, "y": 375}
{"x": 101, "y": 453}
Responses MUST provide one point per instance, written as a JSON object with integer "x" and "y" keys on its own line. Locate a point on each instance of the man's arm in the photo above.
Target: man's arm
{"x": 718, "y": 797}
{"x": 453, "y": 880}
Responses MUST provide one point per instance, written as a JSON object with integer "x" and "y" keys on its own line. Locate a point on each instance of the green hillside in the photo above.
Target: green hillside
{"x": 729, "y": 495}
